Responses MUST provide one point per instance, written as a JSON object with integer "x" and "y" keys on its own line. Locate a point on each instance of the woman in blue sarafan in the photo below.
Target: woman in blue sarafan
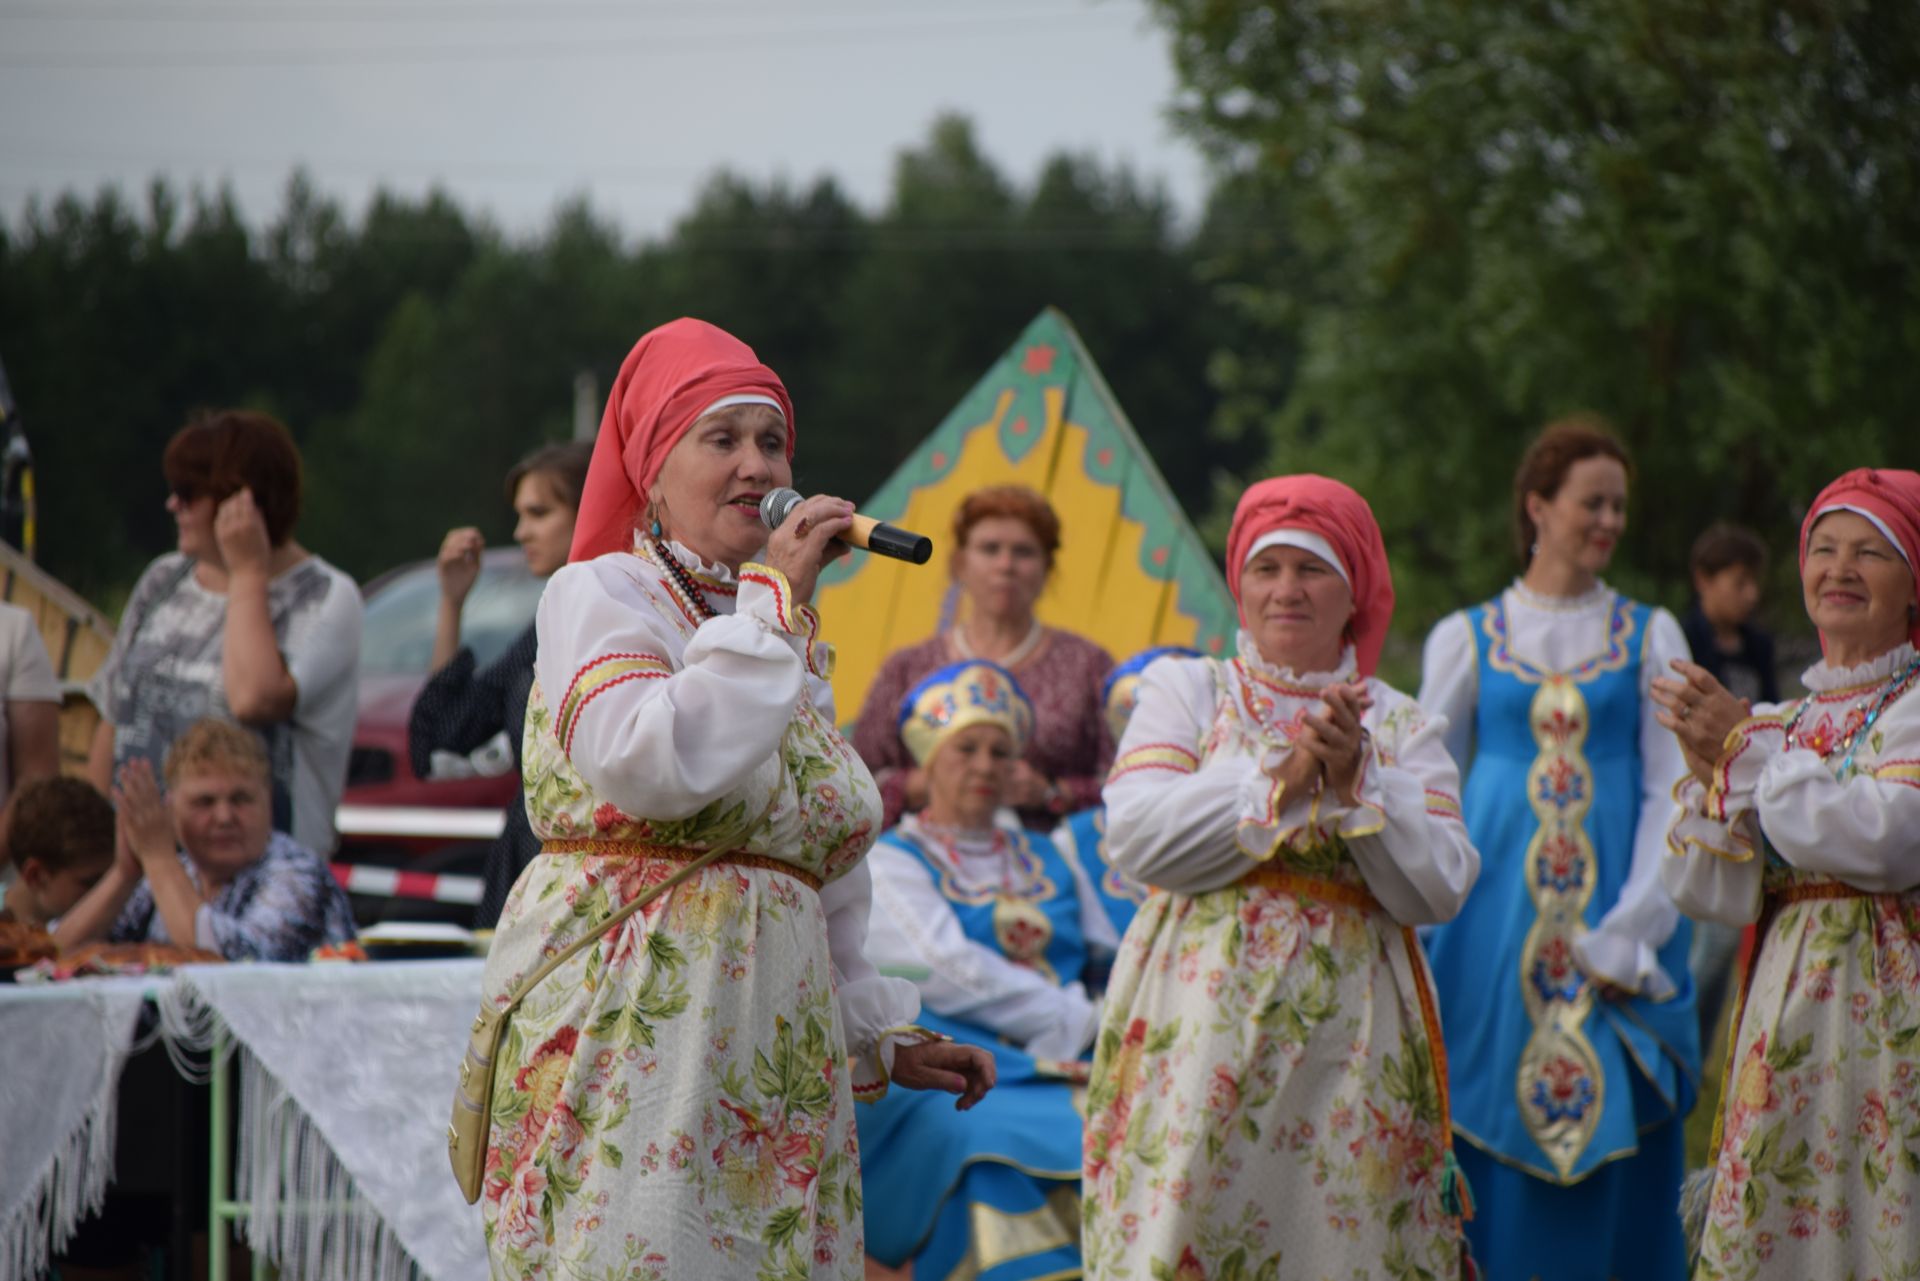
{"x": 996, "y": 928}
{"x": 1083, "y": 837}
{"x": 1564, "y": 992}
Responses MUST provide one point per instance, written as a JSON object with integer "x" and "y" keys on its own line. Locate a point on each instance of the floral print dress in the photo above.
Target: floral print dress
{"x": 677, "y": 1101}
{"x": 1269, "y": 1091}
{"x": 1812, "y": 827}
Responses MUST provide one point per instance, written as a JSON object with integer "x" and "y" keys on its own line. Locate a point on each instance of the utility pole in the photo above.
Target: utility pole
{"x": 586, "y": 405}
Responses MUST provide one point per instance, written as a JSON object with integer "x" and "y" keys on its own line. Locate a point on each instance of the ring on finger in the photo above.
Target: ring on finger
{"x": 800, "y": 530}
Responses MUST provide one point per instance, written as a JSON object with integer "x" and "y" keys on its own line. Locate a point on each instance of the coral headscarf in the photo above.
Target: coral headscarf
{"x": 1334, "y": 511}
{"x": 672, "y": 376}
{"x": 1892, "y": 499}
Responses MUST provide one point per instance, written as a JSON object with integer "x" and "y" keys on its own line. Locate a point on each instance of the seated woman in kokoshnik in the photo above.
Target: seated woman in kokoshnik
{"x": 996, "y": 929}
{"x": 1082, "y": 839}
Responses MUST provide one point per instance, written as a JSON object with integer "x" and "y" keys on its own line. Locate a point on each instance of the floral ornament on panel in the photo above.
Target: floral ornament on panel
{"x": 1559, "y": 1081}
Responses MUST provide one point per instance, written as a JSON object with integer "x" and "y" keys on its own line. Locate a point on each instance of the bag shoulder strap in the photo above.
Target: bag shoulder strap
{"x": 574, "y": 948}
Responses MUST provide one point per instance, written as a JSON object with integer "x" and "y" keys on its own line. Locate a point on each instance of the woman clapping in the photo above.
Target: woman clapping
{"x": 1806, "y": 817}
{"x": 1269, "y": 1089}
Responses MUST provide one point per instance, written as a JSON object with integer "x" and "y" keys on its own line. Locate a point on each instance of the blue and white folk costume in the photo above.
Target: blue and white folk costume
{"x": 996, "y": 928}
{"x": 1567, "y": 1106}
{"x": 1082, "y": 838}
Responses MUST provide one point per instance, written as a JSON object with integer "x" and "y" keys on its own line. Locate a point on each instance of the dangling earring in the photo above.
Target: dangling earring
{"x": 654, "y": 529}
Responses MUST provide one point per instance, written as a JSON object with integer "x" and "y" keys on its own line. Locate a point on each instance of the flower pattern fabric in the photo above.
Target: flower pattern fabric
{"x": 677, "y": 1101}
{"x": 1818, "y": 1167}
{"x": 1268, "y": 1095}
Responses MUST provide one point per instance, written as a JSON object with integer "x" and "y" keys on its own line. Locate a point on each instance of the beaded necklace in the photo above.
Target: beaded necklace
{"x": 680, "y": 583}
{"x": 1013, "y": 657}
{"x": 1893, "y": 689}
{"x": 946, "y": 841}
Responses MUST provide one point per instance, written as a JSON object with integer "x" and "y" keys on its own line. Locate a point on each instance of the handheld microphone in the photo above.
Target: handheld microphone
{"x": 867, "y": 533}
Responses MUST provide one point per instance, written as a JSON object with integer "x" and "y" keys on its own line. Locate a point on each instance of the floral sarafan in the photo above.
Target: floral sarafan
{"x": 1818, "y": 1167}
{"x": 677, "y": 1101}
{"x": 1268, "y": 1095}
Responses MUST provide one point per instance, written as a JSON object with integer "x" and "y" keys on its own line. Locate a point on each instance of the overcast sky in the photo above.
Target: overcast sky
{"x": 514, "y": 105}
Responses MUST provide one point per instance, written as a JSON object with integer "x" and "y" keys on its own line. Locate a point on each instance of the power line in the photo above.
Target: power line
{"x": 247, "y": 13}
{"x": 401, "y": 11}
{"x": 869, "y": 31}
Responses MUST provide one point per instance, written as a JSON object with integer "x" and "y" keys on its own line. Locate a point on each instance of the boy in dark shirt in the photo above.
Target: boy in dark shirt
{"x": 1728, "y": 564}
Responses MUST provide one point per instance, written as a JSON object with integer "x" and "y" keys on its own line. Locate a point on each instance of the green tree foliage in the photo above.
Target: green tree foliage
{"x": 1698, "y": 218}
{"x": 416, "y": 352}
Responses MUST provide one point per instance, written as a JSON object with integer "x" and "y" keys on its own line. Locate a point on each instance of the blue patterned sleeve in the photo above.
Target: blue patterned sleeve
{"x": 280, "y": 909}
{"x": 136, "y": 918}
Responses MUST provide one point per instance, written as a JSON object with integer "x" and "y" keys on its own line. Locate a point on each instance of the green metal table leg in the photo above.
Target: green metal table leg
{"x": 220, "y": 1205}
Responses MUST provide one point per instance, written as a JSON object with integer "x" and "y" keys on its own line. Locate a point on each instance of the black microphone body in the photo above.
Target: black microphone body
{"x": 867, "y": 533}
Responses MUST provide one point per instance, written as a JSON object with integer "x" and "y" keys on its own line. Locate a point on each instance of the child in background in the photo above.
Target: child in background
{"x": 1729, "y": 563}
{"x": 61, "y": 836}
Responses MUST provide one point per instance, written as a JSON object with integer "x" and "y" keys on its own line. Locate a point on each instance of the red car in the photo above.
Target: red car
{"x": 416, "y": 816}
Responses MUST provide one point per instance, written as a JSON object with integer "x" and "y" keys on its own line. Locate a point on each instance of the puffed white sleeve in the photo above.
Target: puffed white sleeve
{"x": 876, "y": 1010}
{"x": 654, "y": 739}
{"x": 1623, "y": 947}
{"x": 1864, "y": 831}
{"x": 914, "y": 930}
{"x": 1170, "y": 821}
{"x": 1405, "y": 831}
{"x": 1450, "y": 683}
{"x": 1710, "y": 871}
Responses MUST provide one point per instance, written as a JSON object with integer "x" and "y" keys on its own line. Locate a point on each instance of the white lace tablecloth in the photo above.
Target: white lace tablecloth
{"x": 346, "y": 1080}
{"x": 61, "y": 1050}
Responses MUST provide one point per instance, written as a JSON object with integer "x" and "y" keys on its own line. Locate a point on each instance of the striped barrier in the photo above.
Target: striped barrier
{"x": 395, "y": 882}
{"x": 413, "y": 822}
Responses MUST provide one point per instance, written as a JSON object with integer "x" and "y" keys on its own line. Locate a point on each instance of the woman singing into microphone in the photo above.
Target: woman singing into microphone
{"x": 678, "y": 1099}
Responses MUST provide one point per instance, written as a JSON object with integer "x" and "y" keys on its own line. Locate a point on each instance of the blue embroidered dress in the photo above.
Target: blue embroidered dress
{"x": 1082, "y": 839}
{"x": 995, "y": 928}
{"x": 1567, "y": 1107}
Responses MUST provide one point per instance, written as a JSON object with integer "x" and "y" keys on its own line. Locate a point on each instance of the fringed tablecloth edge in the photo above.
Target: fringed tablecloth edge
{"x": 71, "y": 1185}
{"x": 287, "y": 1174}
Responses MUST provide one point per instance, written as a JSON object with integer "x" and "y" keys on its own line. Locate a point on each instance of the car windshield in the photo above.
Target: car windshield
{"x": 397, "y": 638}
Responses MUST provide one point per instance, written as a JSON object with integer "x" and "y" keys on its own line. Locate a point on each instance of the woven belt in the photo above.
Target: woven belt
{"x": 1801, "y": 891}
{"x": 1267, "y": 876}
{"x": 677, "y": 854}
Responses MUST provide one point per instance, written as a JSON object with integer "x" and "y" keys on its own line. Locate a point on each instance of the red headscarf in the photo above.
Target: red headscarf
{"x": 672, "y": 374}
{"x": 1893, "y": 498}
{"x": 1339, "y": 515}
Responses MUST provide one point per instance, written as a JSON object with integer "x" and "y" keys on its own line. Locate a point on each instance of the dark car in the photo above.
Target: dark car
{"x": 422, "y": 815}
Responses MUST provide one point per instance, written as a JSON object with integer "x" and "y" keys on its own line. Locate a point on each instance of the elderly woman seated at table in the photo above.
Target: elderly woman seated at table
{"x": 996, "y": 928}
{"x": 202, "y": 866}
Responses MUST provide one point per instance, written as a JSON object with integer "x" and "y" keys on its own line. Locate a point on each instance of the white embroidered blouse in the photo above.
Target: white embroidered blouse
{"x": 1860, "y": 826}
{"x": 1192, "y": 807}
{"x": 915, "y": 927}
{"x": 661, "y": 716}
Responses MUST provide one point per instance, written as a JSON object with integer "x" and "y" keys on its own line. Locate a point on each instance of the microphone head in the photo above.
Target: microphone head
{"x": 776, "y": 505}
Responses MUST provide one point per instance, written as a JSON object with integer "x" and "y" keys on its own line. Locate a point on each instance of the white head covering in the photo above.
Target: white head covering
{"x": 1307, "y": 541}
{"x": 1877, "y": 523}
{"x": 728, "y": 402}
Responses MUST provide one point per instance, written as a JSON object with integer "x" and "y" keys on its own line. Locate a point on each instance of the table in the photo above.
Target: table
{"x": 61, "y": 1050}
{"x": 345, "y": 1074}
